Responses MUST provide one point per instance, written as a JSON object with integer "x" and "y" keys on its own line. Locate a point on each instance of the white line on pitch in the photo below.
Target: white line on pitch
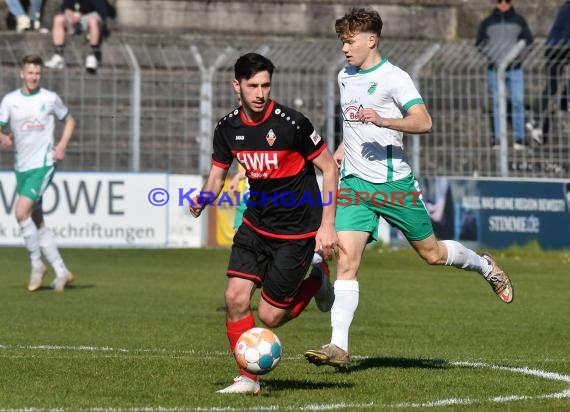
{"x": 413, "y": 405}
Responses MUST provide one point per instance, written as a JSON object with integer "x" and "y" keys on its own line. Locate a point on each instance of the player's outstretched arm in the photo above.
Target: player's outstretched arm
{"x": 327, "y": 240}
{"x": 5, "y": 140}
{"x": 416, "y": 120}
{"x": 210, "y": 191}
{"x": 61, "y": 146}
{"x": 339, "y": 154}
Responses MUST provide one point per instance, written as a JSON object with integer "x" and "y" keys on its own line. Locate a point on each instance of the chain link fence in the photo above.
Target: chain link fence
{"x": 153, "y": 104}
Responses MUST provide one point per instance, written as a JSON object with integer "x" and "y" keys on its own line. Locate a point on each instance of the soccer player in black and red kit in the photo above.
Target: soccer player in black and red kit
{"x": 286, "y": 219}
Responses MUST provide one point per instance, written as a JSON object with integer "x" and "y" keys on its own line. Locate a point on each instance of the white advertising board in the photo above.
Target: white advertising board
{"x": 108, "y": 210}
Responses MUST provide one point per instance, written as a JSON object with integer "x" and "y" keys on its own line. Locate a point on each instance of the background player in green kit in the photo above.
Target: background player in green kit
{"x": 29, "y": 112}
{"x": 379, "y": 103}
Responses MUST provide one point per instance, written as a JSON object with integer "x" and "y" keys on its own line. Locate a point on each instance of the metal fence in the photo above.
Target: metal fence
{"x": 154, "y": 102}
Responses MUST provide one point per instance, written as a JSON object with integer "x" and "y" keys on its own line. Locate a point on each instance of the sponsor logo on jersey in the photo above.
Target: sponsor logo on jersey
{"x": 315, "y": 137}
{"x": 350, "y": 113}
{"x": 372, "y": 87}
{"x": 240, "y": 137}
{"x": 270, "y": 137}
{"x": 258, "y": 161}
{"x": 32, "y": 125}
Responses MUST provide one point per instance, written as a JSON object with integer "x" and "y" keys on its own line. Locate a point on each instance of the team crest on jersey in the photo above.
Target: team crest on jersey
{"x": 315, "y": 137}
{"x": 270, "y": 137}
{"x": 372, "y": 87}
{"x": 43, "y": 108}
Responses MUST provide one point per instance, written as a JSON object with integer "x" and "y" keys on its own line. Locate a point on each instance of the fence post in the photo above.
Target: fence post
{"x": 330, "y": 101}
{"x": 415, "y": 71}
{"x": 206, "y": 105}
{"x": 135, "y": 109}
{"x": 502, "y": 92}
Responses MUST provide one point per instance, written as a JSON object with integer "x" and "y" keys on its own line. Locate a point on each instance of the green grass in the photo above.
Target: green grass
{"x": 141, "y": 330}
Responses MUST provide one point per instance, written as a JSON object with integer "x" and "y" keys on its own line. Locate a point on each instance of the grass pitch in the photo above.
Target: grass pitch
{"x": 141, "y": 330}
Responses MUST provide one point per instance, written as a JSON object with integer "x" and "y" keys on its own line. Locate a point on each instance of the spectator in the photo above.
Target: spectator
{"x": 557, "y": 56}
{"x": 23, "y": 21}
{"x": 497, "y": 34}
{"x": 80, "y": 16}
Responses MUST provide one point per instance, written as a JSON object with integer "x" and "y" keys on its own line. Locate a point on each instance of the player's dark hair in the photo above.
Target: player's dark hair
{"x": 32, "y": 59}
{"x": 357, "y": 21}
{"x": 250, "y": 64}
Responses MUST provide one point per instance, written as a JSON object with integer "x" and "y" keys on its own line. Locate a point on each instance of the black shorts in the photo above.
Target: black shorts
{"x": 277, "y": 266}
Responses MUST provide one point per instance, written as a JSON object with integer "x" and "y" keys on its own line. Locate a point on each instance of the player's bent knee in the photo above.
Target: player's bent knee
{"x": 271, "y": 320}
{"x": 237, "y": 302}
{"x": 431, "y": 258}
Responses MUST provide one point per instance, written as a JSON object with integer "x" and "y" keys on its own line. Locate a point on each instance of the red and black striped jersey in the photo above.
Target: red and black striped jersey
{"x": 276, "y": 152}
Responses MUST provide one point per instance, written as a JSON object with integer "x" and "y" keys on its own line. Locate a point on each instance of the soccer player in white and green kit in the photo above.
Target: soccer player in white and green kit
{"x": 29, "y": 111}
{"x": 379, "y": 103}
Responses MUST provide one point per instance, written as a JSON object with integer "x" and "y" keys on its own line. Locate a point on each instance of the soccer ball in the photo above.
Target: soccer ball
{"x": 258, "y": 351}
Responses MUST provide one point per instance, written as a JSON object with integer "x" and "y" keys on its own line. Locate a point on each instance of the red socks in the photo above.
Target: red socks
{"x": 234, "y": 331}
{"x": 308, "y": 289}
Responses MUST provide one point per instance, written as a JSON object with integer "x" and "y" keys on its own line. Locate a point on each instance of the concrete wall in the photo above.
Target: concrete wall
{"x": 414, "y": 19}
{"x": 418, "y": 19}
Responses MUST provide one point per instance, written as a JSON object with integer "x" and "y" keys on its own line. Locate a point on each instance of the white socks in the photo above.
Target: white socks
{"x": 31, "y": 240}
{"x": 346, "y": 293}
{"x": 463, "y": 258}
{"x": 49, "y": 249}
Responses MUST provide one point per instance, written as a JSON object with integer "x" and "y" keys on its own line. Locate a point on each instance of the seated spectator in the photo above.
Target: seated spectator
{"x": 23, "y": 21}
{"x": 80, "y": 16}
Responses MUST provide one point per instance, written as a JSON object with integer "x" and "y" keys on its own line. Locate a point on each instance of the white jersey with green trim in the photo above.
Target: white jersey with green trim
{"x": 375, "y": 154}
{"x": 31, "y": 119}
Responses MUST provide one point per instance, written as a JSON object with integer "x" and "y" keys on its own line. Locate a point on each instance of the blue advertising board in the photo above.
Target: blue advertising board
{"x": 499, "y": 213}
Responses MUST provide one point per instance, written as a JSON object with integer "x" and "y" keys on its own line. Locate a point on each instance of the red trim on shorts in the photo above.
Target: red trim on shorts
{"x": 268, "y": 111}
{"x": 277, "y": 235}
{"x": 273, "y": 302}
{"x": 243, "y": 275}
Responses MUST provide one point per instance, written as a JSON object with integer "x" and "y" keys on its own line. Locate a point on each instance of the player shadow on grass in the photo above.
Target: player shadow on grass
{"x": 47, "y": 288}
{"x": 289, "y": 384}
{"x": 383, "y": 362}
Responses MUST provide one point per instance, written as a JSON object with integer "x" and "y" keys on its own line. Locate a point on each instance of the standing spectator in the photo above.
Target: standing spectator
{"x": 30, "y": 112}
{"x": 23, "y": 22}
{"x": 80, "y": 16}
{"x": 498, "y": 34}
{"x": 557, "y": 57}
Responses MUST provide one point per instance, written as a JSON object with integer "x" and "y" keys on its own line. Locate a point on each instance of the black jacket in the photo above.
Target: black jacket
{"x": 102, "y": 7}
{"x": 500, "y": 32}
{"x": 560, "y": 31}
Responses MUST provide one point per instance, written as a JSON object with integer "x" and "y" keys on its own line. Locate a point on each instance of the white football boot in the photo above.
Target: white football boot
{"x": 242, "y": 384}
{"x": 36, "y": 277}
{"x": 60, "y": 282}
